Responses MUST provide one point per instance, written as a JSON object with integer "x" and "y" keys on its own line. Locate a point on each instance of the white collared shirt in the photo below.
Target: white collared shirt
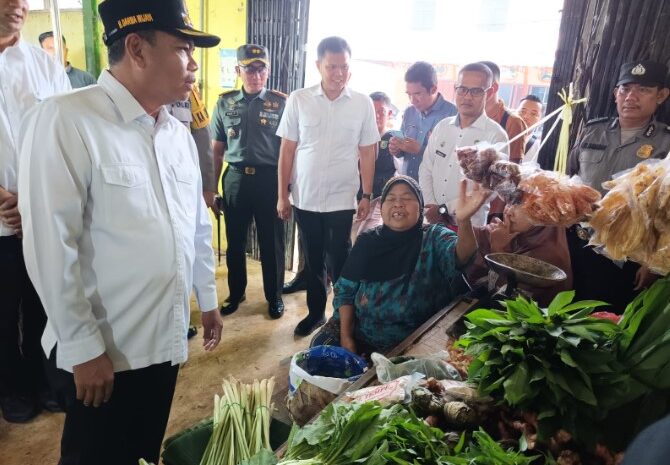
{"x": 328, "y": 133}
{"x": 27, "y": 76}
{"x": 116, "y": 232}
{"x": 440, "y": 174}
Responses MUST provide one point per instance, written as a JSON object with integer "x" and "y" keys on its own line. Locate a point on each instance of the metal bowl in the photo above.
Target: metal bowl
{"x": 524, "y": 269}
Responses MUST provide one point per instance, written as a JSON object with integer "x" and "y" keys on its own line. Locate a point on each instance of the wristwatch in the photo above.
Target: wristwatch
{"x": 366, "y": 196}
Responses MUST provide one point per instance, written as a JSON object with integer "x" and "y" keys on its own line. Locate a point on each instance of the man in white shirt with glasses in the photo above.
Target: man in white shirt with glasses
{"x": 440, "y": 173}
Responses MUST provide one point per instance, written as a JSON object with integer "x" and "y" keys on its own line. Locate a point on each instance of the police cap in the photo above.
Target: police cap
{"x": 121, "y": 17}
{"x": 644, "y": 72}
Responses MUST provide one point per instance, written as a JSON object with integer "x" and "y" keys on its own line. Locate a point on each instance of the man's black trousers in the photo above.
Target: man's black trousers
{"x": 22, "y": 321}
{"x": 326, "y": 238}
{"x": 248, "y": 196}
{"x": 130, "y": 426}
{"x": 596, "y": 277}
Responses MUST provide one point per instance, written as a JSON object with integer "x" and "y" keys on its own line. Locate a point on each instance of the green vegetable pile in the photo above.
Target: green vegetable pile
{"x": 369, "y": 434}
{"x": 346, "y": 433}
{"x": 568, "y": 367}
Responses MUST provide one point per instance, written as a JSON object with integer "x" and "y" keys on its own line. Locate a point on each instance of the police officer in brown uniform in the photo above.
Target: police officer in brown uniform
{"x": 243, "y": 127}
{"x": 608, "y": 146}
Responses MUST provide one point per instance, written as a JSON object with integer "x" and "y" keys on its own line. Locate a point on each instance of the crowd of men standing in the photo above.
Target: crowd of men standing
{"x": 95, "y": 181}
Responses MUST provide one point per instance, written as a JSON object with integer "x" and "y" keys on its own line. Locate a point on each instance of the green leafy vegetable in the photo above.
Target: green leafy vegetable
{"x": 484, "y": 450}
{"x": 540, "y": 360}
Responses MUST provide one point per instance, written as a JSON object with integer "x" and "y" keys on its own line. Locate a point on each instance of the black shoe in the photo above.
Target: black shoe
{"x": 276, "y": 308}
{"x": 192, "y": 331}
{"x": 19, "y": 409}
{"x": 308, "y": 325}
{"x": 230, "y": 306}
{"x": 48, "y": 401}
{"x": 299, "y": 283}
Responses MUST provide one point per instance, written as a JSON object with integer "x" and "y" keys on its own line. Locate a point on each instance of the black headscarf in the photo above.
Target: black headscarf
{"x": 382, "y": 254}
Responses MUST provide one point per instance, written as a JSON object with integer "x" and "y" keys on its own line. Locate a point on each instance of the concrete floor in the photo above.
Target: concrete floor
{"x": 252, "y": 346}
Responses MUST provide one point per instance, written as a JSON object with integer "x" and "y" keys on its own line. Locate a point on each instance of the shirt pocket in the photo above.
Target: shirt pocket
{"x": 591, "y": 156}
{"x": 310, "y": 126}
{"x": 125, "y": 191}
{"x": 186, "y": 178}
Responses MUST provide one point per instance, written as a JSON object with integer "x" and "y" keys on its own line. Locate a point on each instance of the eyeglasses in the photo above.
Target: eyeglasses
{"x": 251, "y": 70}
{"x": 476, "y": 92}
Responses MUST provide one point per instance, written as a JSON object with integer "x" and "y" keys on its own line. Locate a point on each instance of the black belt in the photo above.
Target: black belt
{"x": 251, "y": 170}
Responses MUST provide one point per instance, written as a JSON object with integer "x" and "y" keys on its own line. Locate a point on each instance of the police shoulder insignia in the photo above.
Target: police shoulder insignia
{"x": 645, "y": 151}
{"x": 383, "y": 145}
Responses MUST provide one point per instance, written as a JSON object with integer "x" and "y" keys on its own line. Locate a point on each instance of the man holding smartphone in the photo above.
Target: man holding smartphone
{"x": 427, "y": 109}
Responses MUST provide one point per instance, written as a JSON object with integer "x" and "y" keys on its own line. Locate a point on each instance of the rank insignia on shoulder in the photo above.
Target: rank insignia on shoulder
{"x": 231, "y": 133}
{"x": 645, "y": 151}
{"x": 650, "y": 130}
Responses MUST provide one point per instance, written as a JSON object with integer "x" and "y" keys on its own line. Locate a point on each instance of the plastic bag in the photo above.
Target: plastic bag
{"x": 490, "y": 168}
{"x": 316, "y": 376}
{"x": 394, "y": 392}
{"x": 554, "y": 199}
{"x": 633, "y": 221}
{"x": 432, "y": 366}
{"x": 328, "y": 367}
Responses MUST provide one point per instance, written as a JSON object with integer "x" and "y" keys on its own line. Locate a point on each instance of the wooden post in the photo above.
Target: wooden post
{"x": 595, "y": 38}
{"x": 92, "y": 37}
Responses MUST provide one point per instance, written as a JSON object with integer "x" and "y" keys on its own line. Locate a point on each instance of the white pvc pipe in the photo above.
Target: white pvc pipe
{"x": 55, "y": 27}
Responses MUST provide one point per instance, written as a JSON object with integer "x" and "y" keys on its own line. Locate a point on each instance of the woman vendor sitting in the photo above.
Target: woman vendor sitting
{"x": 400, "y": 274}
{"x": 516, "y": 234}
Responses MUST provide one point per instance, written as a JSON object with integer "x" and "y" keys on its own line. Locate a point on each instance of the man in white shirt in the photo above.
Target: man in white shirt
{"x": 27, "y": 75}
{"x": 530, "y": 111}
{"x": 440, "y": 174}
{"x": 116, "y": 234}
{"x": 326, "y": 129}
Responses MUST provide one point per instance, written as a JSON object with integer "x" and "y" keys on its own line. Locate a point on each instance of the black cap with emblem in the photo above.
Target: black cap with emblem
{"x": 644, "y": 72}
{"x": 121, "y": 17}
{"x": 249, "y": 53}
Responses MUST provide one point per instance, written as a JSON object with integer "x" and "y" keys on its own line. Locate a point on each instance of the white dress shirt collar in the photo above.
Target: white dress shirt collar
{"x": 318, "y": 90}
{"x": 479, "y": 123}
{"x": 128, "y": 106}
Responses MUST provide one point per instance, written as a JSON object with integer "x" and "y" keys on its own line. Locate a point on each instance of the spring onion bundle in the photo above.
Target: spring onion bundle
{"x": 241, "y": 422}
